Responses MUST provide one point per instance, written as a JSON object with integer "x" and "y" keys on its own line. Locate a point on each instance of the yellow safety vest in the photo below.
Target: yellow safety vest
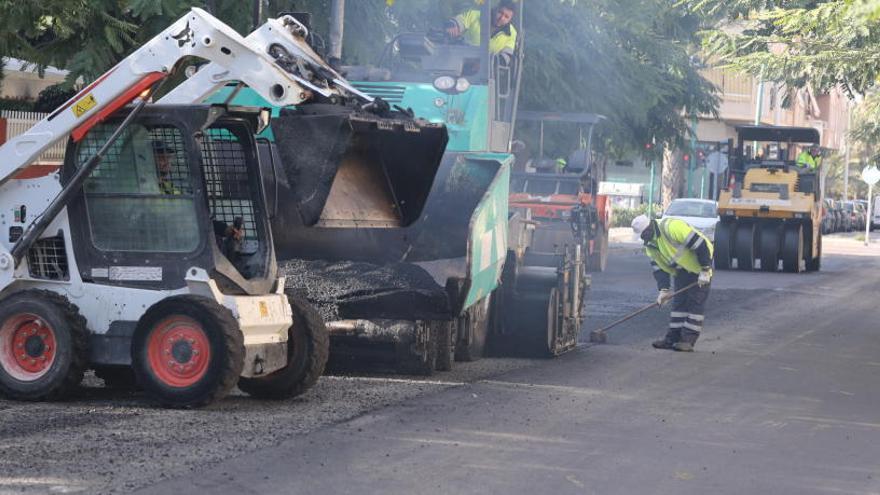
{"x": 469, "y": 24}
{"x": 669, "y": 250}
{"x": 806, "y": 160}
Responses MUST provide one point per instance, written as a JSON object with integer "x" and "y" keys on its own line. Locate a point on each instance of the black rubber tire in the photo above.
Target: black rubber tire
{"x": 445, "y": 332}
{"x": 475, "y": 320}
{"x": 226, "y": 345}
{"x": 117, "y": 377}
{"x": 308, "y": 347}
{"x": 71, "y": 346}
{"x": 815, "y": 264}
{"x": 771, "y": 240}
{"x": 598, "y": 260}
{"x": 792, "y": 248}
{"x": 745, "y": 246}
{"x": 724, "y": 252}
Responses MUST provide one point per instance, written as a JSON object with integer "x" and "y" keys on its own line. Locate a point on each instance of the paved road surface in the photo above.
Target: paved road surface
{"x": 781, "y": 397}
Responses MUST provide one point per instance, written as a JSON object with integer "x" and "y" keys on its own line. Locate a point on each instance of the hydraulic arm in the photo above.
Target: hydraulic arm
{"x": 281, "y": 69}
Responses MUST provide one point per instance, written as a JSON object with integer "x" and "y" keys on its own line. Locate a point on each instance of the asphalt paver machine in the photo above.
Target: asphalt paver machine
{"x": 423, "y": 271}
{"x": 563, "y": 197}
{"x": 771, "y": 213}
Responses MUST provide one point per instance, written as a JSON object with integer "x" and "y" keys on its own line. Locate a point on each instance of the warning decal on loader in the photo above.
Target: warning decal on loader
{"x": 87, "y": 103}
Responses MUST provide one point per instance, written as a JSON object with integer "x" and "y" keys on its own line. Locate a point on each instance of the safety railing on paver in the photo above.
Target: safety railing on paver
{"x": 18, "y": 122}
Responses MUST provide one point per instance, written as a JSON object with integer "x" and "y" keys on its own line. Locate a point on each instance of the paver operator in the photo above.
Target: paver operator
{"x": 680, "y": 255}
{"x": 503, "y": 40}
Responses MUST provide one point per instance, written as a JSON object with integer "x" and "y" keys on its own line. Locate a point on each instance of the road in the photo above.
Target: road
{"x": 781, "y": 396}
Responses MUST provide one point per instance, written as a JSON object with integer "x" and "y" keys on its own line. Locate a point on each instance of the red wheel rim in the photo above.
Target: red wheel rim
{"x": 178, "y": 351}
{"x": 27, "y": 346}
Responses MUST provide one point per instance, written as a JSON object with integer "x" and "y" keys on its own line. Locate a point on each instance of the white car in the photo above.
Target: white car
{"x": 702, "y": 214}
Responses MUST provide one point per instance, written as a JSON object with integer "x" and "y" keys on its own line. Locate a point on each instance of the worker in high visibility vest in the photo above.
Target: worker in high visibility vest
{"x": 680, "y": 255}
{"x": 466, "y": 26}
{"x": 809, "y": 158}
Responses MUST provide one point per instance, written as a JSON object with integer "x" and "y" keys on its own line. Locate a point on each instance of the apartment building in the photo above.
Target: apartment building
{"x": 803, "y": 108}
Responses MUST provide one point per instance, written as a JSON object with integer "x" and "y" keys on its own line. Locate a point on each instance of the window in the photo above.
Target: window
{"x": 230, "y": 199}
{"x": 542, "y": 187}
{"x": 568, "y": 187}
{"x": 691, "y": 209}
{"x": 140, "y": 197}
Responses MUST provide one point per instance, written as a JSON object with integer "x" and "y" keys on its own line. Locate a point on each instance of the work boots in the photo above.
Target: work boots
{"x": 688, "y": 339}
{"x": 668, "y": 342}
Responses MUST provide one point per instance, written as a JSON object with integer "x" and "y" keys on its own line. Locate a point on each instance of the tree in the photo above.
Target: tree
{"x": 820, "y": 44}
{"x": 815, "y": 44}
{"x": 88, "y": 37}
{"x": 53, "y": 97}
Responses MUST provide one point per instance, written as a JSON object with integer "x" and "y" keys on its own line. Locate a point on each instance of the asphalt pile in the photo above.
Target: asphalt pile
{"x": 358, "y": 290}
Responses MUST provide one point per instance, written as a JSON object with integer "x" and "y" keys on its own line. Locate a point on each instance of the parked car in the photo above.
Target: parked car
{"x": 702, "y": 214}
{"x": 862, "y": 210}
{"x": 829, "y": 216}
{"x": 852, "y": 213}
{"x": 842, "y": 219}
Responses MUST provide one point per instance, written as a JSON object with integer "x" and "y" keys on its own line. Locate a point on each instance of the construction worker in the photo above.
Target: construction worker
{"x": 808, "y": 159}
{"x": 164, "y": 155}
{"x": 466, "y": 26}
{"x": 681, "y": 254}
{"x": 561, "y": 165}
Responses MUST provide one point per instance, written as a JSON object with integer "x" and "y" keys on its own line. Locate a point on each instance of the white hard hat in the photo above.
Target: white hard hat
{"x": 640, "y": 223}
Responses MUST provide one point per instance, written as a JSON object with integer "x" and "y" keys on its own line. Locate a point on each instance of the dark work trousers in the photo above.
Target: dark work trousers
{"x": 688, "y": 308}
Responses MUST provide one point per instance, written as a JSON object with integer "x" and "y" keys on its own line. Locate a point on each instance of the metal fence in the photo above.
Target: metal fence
{"x": 18, "y": 123}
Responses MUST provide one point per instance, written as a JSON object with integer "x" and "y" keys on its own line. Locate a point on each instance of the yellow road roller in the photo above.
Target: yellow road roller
{"x": 771, "y": 212}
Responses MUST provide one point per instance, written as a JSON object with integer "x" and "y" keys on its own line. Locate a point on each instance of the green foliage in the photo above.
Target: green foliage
{"x": 828, "y": 44}
{"x": 820, "y": 44}
{"x": 16, "y": 104}
{"x": 623, "y": 217}
{"x": 629, "y": 60}
{"x": 866, "y": 124}
{"x": 834, "y": 178}
{"x": 53, "y": 97}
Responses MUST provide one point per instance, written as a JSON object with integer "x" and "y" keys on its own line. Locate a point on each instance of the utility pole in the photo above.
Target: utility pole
{"x": 693, "y": 157}
{"x": 337, "y": 21}
{"x": 846, "y": 155}
{"x": 650, "y": 148}
{"x": 759, "y": 106}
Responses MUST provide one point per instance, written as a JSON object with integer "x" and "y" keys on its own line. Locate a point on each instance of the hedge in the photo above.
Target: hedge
{"x": 623, "y": 217}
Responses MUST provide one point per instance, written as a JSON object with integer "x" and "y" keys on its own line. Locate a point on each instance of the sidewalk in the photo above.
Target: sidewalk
{"x": 623, "y": 238}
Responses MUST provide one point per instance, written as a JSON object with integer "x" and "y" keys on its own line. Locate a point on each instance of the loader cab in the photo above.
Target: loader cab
{"x": 448, "y": 80}
{"x": 180, "y": 188}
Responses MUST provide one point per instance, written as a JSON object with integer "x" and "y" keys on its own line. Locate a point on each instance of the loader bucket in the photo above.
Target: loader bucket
{"x": 355, "y": 187}
{"x": 352, "y": 170}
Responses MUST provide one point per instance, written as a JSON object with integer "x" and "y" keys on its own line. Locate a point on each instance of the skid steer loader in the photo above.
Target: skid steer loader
{"x": 152, "y": 247}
